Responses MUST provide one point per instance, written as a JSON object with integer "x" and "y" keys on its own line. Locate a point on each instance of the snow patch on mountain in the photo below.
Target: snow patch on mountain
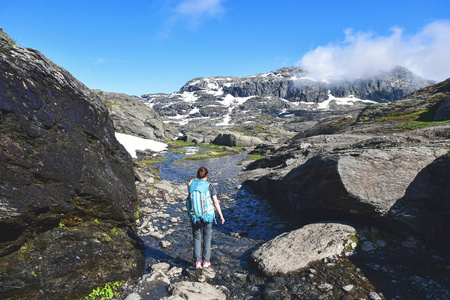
{"x": 350, "y": 100}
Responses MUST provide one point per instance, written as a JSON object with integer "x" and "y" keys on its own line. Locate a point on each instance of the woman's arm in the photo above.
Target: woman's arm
{"x": 217, "y": 206}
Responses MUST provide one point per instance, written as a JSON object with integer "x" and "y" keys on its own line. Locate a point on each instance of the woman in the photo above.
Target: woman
{"x": 200, "y": 205}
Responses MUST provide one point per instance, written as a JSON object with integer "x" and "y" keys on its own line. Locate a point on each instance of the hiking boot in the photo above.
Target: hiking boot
{"x": 206, "y": 264}
{"x": 198, "y": 265}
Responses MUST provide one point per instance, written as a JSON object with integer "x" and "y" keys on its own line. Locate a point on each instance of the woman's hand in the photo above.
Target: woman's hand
{"x": 222, "y": 220}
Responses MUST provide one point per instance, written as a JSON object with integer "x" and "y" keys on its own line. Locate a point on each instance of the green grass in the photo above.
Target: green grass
{"x": 211, "y": 154}
{"x": 415, "y": 119}
{"x": 109, "y": 291}
{"x": 342, "y": 122}
{"x": 179, "y": 144}
{"x": 213, "y": 151}
{"x": 255, "y": 156}
{"x": 219, "y": 147}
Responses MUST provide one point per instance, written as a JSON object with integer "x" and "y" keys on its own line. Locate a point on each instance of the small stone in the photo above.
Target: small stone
{"x": 374, "y": 296}
{"x": 175, "y": 272}
{"x": 158, "y": 276}
{"x": 381, "y": 243}
{"x": 173, "y": 220}
{"x": 162, "y": 267}
{"x": 157, "y": 235}
{"x": 165, "y": 244}
{"x": 368, "y": 246}
{"x": 410, "y": 242}
{"x": 240, "y": 276}
{"x": 209, "y": 273}
{"x": 325, "y": 287}
{"x": 348, "y": 288}
{"x": 133, "y": 296}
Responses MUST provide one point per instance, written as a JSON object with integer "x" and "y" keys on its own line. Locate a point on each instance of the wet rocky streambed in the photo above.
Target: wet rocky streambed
{"x": 381, "y": 267}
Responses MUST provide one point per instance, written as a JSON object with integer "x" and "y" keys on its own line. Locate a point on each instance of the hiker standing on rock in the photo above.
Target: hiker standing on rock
{"x": 200, "y": 206}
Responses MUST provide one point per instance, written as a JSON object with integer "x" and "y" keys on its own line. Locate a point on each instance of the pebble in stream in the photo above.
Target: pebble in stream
{"x": 250, "y": 221}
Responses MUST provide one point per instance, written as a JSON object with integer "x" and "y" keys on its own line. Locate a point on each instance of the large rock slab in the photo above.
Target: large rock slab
{"x": 291, "y": 252}
{"x": 354, "y": 183}
{"x": 196, "y": 291}
{"x": 67, "y": 193}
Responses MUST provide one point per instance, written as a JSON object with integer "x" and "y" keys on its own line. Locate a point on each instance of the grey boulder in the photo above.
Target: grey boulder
{"x": 196, "y": 291}
{"x": 291, "y": 252}
{"x": 236, "y": 140}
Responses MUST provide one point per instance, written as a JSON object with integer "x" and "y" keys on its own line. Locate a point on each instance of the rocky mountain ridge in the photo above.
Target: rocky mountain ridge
{"x": 277, "y": 100}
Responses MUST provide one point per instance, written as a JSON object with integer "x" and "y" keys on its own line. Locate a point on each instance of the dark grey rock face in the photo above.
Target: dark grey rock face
{"x": 130, "y": 115}
{"x": 374, "y": 168}
{"x": 363, "y": 181}
{"x": 67, "y": 193}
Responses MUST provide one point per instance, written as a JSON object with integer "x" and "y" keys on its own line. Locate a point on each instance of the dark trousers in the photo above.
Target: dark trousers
{"x": 202, "y": 233}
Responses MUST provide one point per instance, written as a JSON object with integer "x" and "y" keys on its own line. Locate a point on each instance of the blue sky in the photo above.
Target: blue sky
{"x": 139, "y": 47}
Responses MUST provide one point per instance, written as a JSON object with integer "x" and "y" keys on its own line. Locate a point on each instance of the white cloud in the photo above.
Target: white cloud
{"x": 194, "y": 12}
{"x": 199, "y": 8}
{"x": 361, "y": 54}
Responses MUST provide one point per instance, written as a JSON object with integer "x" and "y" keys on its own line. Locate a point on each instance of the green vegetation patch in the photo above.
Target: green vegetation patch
{"x": 220, "y": 147}
{"x": 343, "y": 122}
{"x": 255, "y": 156}
{"x": 179, "y": 144}
{"x": 211, "y": 154}
{"x": 109, "y": 291}
{"x": 411, "y": 120}
{"x": 213, "y": 151}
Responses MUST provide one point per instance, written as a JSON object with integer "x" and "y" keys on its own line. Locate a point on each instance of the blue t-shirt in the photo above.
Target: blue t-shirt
{"x": 212, "y": 190}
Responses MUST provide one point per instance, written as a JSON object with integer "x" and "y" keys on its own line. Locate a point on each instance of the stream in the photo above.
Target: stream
{"x": 251, "y": 221}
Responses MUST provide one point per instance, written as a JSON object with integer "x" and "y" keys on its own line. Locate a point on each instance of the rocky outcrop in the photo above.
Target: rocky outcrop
{"x": 368, "y": 185}
{"x": 132, "y": 116}
{"x": 67, "y": 193}
{"x": 294, "y": 251}
{"x": 231, "y": 139}
{"x": 372, "y": 169}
